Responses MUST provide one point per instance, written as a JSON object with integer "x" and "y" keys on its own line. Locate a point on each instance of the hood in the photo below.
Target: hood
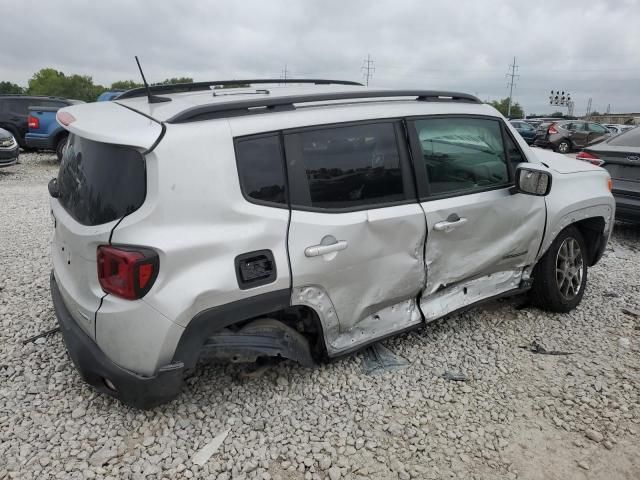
{"x": 5, "y": 134}
{"x": 562, "y": 164}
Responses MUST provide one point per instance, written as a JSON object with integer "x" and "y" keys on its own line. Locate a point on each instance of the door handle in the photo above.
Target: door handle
{"x": 447, "y": 226}
{"x": 317, "y": 250}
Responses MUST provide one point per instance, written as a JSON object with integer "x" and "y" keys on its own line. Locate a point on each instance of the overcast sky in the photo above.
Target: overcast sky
{"x": 588, "y": 48}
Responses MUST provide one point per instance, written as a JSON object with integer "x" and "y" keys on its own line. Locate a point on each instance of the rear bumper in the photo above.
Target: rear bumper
{"x": 543, "y": 142}
{"x": 95, "y": 367}
{"x": 627, "y": 207}
{"x": 39, "y": 141}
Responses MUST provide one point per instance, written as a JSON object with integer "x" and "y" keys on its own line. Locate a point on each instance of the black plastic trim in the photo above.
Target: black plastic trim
{"x": 214, "y": 319}
{"x": 247, "y": 284}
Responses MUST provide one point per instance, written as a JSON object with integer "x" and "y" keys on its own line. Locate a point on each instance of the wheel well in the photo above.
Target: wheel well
{"x": 592, "y": 230}
{"x": 58, "y": 136}
{"x": 303, "y": 319}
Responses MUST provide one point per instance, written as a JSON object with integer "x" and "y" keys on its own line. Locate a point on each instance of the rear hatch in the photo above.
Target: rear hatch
{"x": 101, "y": 179}
{"x": 542, "y": 130}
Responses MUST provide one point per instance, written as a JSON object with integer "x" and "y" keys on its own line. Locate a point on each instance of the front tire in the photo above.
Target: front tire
{"x": 560, "y": 277}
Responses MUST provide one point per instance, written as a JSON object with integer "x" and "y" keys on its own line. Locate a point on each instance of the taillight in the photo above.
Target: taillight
{"x": 65, "y": 118}
{"x": 552, "y": 128}
{"x": 591, "y": 158}
{"x": 34, "y": 122}
{"x": 127, "y": 272}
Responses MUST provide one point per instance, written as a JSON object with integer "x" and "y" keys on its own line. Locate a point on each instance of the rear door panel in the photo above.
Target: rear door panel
{"x": 352, "y": 192}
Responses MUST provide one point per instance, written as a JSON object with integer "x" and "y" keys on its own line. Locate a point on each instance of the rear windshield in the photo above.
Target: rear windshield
{"x": 630, "y": 138}
{"x": 100, "y": 182}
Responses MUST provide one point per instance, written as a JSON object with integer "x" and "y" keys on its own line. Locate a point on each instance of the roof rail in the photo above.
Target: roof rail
{"x": 195, "y": 86}
{"x": 272, "y": 104}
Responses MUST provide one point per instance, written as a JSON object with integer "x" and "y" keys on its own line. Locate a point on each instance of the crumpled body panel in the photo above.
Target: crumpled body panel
{"x": 367, "y": 290}
{"x": 503, "y": 232}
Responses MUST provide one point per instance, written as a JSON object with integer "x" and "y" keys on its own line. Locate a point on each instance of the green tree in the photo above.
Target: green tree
{"x": 595, "y": 113}
{"x": 557, "y": 114}
{"x": 8, "y": 87}
{"x": 503, "y": 107}
{"x": 125, "y": 85}
{"x": 51, "y": 82}
{"x": 172, "y": 81}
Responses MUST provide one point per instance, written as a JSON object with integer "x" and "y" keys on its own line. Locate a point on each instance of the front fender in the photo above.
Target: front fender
{"x": 575, "y": 197}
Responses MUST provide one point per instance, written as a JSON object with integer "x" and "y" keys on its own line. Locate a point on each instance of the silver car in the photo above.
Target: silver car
{"x": 302, "y": 221}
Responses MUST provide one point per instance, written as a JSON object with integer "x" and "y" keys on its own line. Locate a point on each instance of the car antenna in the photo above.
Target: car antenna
{"x": 152, "y": 98}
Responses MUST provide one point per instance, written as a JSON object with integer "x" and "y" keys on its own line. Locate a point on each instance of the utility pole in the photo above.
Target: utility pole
{"x": 512, "y": 78}
{"x": 284, "y": 73}
{"x": 367, "y": 69}
{"x": 589, "y": 108}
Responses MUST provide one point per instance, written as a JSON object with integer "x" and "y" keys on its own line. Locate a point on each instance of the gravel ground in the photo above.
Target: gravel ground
{"x": 518, "y": 415}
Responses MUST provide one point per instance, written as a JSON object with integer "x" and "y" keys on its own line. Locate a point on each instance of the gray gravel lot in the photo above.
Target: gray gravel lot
{"x": 519, "y": 414}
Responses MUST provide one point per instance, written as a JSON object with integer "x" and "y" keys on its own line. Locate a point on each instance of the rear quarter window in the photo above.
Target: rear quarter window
{"x": 261, "y": 169}
{"x": 100, "y": 182}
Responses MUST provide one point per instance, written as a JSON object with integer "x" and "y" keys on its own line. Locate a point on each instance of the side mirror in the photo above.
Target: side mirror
{"x": 533, "y": 182}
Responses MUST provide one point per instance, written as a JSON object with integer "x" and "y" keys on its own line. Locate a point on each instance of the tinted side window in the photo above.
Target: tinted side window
{"x": 261, "y": 168}
{"x": 594, "y": 127}
{"x": 351, "y": 166}
{"x": 462, "y": 154}
{"x": 17, "y": 106}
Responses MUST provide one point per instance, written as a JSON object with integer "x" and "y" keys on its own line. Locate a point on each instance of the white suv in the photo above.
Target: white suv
{"x": 303, "y": 221}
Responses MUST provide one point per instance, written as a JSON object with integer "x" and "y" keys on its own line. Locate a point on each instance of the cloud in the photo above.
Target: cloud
{"x": 591, "y": 49}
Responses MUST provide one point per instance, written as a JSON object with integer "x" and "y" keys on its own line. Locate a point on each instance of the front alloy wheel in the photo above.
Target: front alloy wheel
{"x": 560, "y": 277}
{"x": 569, "y": 264}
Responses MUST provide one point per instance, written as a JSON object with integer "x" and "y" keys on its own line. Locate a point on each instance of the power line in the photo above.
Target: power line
{"x": 512, "y": 77}
{"x": 367, "y": 69}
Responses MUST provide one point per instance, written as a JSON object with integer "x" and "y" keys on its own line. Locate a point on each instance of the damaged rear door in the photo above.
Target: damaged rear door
{"x": 357, "y": 232}
{"x": 481, "y": 235}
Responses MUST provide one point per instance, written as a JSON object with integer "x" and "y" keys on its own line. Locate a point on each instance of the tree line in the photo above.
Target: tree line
{"x": 51, "y": 82}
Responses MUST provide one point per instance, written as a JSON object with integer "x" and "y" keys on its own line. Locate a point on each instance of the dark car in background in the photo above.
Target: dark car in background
{"x": 620, "y": 155}
{"x": 14, "y": 112}
{"x": 9, "y": 149}
{"x": 526, "y": 130}
{"x": 567, "y": 135}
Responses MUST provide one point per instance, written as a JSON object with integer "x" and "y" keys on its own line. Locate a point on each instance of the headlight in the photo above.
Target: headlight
{"x": 8, "y": 142}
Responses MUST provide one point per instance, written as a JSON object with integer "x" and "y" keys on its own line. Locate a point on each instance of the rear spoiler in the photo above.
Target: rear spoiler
{"x": 109, "y": 122}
